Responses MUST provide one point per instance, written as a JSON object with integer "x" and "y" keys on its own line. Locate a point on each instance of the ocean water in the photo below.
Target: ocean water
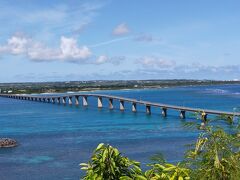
{"x": 54, "y": 139}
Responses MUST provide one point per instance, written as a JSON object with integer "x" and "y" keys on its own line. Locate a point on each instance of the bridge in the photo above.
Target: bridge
{"x": 74, "y": 98}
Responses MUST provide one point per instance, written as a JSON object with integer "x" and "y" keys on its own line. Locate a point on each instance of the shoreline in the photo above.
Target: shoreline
{"x": 143, "y": 88}
{"x": 51, "y": 88}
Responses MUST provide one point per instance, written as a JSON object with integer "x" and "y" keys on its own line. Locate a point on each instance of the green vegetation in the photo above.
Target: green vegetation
{"x": 108, "y": 163}
{"x": 58, "y": 87}
{"x": 214, "y": 156}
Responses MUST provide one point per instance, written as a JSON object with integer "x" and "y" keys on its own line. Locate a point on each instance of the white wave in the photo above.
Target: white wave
{"x": 218, "y": 91}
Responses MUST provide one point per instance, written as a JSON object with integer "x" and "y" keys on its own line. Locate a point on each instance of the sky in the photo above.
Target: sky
{"x": 71, "y": 40}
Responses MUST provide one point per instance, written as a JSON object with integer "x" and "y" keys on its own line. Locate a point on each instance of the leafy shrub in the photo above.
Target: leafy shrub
{"x": 108, "y": 164}
{"x": 215, "y": 156}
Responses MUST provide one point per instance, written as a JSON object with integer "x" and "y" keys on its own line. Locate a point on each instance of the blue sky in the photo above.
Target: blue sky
{"x": 93, "y": 40}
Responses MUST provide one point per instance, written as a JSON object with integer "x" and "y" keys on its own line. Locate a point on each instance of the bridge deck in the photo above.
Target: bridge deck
{"x": 131, "y": 100}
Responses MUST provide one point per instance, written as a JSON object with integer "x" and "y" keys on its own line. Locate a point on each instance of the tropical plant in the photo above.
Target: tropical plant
{"x": 167, "y": 172}
{"x": 108, "y": 164}
{"x": 216, "y": 156}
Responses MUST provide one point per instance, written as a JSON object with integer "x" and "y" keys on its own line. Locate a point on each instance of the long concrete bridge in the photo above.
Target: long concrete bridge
{"x": 74, "y": 98}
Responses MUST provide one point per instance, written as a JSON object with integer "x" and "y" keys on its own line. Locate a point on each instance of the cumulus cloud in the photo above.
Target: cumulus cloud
{"x": 116, "y": 60}
{"x": 102, "y": 59}
{"x": 68, "y": 49}
{"x": 15, "y": 45}
{"x": 155, "y": 62}
{"x": 121, "y": 29}
{"x": 154, "y": 67}
{"x": 205, "y": 72}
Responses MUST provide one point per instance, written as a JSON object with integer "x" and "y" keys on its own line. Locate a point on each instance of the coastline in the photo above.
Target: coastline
{"x": 146, "y": 88}
{"x": 63, "y": 87}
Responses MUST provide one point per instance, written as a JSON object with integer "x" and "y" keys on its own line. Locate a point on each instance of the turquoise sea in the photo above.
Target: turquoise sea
{"x": 54, "y": 138}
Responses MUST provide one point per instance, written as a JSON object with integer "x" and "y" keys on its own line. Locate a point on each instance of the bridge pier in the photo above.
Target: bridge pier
{"x": 64, "y": 100}
{"x": 76, "y": 100}
{"x": 148, "y": 109}
{"x": 85, "y": 101}
{"x": 48, "y": 100}
{"x": 58, "y": 100}
{"x": 53, "y": 100}
{"x": 134, "y": 107}
{"x": 100, "y": 105}
{"x": 110, "y": 103}
{"x": 164, "y": 112}
{"x": 70, "y": 100}
{"x": 182, "y": 114}
{"x": 121, "y": 105}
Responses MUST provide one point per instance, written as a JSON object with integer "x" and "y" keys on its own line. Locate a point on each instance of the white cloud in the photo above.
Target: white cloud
{"x": 116, "y": 60}
{"x": 102, "y": 59}
{"x": 156, "y": 62}
{"x": 68, "y": 49}
{"x": 121, "y": 29}
{"x": 15, "y": 45}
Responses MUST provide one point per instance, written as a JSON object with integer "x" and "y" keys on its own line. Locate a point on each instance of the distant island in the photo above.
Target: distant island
{"x": 59, "y": 87}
